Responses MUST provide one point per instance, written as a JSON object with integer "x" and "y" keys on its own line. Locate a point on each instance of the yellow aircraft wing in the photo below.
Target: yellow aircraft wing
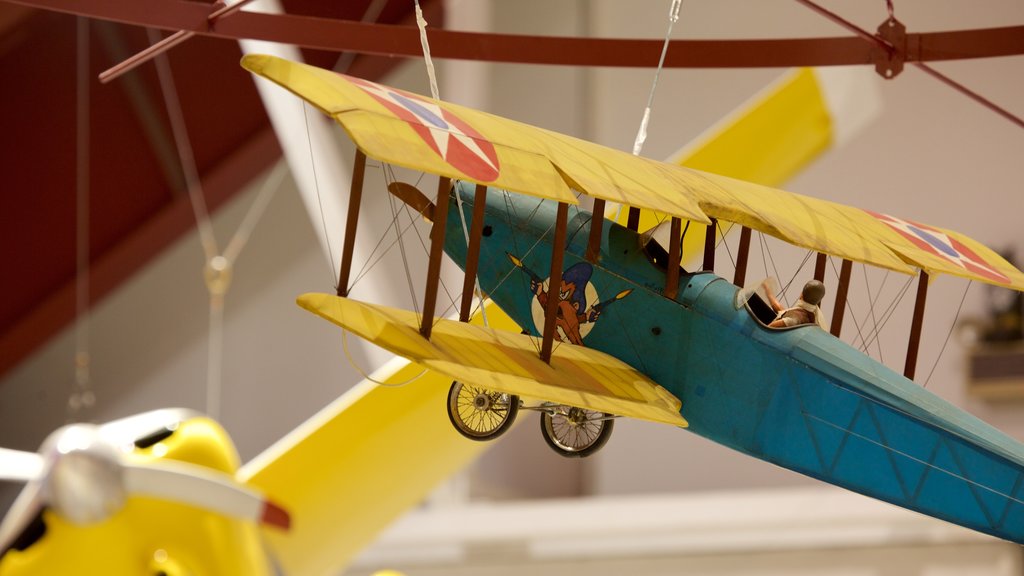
{"x": 771, "y": 137}
{"x": 505, "y": 361}
{"x": 350, "y": 470}
{"x": 441, "y": 138}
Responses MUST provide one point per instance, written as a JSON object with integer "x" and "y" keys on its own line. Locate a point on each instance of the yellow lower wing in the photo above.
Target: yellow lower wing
{"x": 505, "y": 361}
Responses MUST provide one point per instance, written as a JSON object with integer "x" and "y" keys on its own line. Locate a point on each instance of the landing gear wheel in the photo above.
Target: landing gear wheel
{"x": 575, "y": 432}
{"x": 480, "y": 414}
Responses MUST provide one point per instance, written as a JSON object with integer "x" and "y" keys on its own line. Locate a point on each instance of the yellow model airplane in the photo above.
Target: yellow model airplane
{"x": 93, "y": 492}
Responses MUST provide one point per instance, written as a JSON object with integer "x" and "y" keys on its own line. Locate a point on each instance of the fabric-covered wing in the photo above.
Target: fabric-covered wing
{"x": 441, "y": 138}
{"x": 505, "y": 361}
{"x": 856, "y": 234}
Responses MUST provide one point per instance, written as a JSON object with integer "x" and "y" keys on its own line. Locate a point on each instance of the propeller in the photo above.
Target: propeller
{"x": 81, "y": 473}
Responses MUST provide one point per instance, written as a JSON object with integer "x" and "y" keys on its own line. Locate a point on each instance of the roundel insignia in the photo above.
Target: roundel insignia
{"x": 938, "y": 243}
{"x": 449, "y": 136}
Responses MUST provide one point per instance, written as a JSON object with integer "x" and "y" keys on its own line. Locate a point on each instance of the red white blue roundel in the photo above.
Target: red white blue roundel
{"x": 938, "y": 243}
{"x": 455, "y": 141}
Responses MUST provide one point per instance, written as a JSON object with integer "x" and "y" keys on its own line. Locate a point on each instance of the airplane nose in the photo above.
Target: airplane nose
{"x": 85, "y": 483}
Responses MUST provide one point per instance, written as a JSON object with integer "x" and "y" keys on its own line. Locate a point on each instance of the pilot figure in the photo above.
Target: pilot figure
{"x": 806, "y": 310}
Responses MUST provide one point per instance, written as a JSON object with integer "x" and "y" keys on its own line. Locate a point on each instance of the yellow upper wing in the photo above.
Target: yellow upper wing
{"x": 433, "y": 136}
{"x": 505, "y": 361}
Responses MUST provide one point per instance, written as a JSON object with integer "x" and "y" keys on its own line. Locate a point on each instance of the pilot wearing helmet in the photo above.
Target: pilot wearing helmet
{"x": 806, "y": 310}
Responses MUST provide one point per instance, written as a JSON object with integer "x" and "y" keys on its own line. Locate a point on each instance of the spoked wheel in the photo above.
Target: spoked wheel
{"x": 481, "y": 414}
{"x": 575, "y": 432}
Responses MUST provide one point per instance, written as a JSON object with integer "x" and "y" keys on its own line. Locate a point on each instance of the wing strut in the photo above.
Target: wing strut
{"x": 596, "y": 228}
{"x": 915, "y": 327}
{"x": 354, "y": 198}
{"x": 554, "y": 281}
{"x": 476, "y": 229}
{"x": 444, "y": 185}
{"x": 844, "y": 287}
{"x": 633, "y": 219}
{"x": 819, "y": 266}
{"x": 741, "y": 258}
{"x": 675, "y": 249}
{"x": 709, "y": 245}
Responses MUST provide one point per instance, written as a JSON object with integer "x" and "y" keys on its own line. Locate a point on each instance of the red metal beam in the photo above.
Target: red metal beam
{"x": 220, "y": 10}
{"x": 893, "y": 47}
{"x": 403, "y": 41}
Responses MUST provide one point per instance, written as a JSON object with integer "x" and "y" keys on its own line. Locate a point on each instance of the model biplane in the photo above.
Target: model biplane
{"x": 627, "y": 332}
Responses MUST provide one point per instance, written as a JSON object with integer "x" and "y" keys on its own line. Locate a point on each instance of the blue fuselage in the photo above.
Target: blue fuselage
{"x": 799, "y": 398}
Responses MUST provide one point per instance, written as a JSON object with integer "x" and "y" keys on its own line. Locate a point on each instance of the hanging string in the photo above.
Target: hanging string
{"x": 82, "y": 395}
{"x": 217, "y": 271}
{"x": 641, "y": 135}
{"x": 185, "y": 152}
{"x": 270, "y": 186}
{"x": 421, "y": 22}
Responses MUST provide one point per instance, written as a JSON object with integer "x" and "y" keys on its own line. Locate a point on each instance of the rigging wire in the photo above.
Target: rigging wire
{"x": 405, "y": 262}
{"x": 848, "y": 305}
{"x": 948, "y": 334}
{"x": 797, "y": 273}
{"x": 370, "y": 263}
{"x": 871, "y": 307}
{"x": 890, "y": 310}
{"x": 722, "y": 242}
{"x": 335, "y": 275}
{"x": 352, "y": 362}
{"x": 426, "y": 251}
